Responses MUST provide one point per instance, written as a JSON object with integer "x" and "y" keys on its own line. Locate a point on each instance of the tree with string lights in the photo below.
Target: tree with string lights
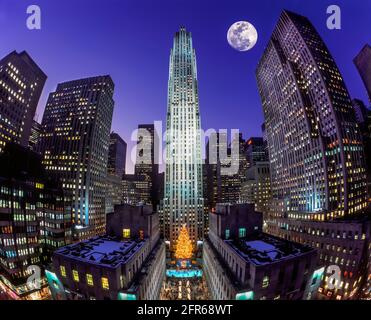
{"x": 184, "y": 247}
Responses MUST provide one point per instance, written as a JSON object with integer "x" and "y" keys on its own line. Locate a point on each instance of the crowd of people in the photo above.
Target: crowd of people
{"x": 184, "y": 289}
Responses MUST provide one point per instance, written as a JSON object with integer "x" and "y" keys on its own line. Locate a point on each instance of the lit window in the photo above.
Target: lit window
{"x": 265, "y": 282}
{"x": 126, "y": 233}
{"x": 75, "y": 275}
{"x": 227, "y": 234}
{"x": 89, "y": 279}
{"x": 105, "y": 284}
{"x": 242, "y": 232}
{"x": 39, "y": 186}
{"x": 63, "y": 271}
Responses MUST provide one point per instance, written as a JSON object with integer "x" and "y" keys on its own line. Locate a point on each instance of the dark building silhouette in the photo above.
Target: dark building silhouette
{"x": 255, "y": 150}
{"x": 146, "y": 166}
{"x": 33, "y": 221}
{"x": 36, "y": 131}
{"x": 21, "y": 84}
{"x": 116, "y": 155}
{"x": 363, "y": 63}
{"x": 225, "y": 167}
{"x": 115, "y": 171}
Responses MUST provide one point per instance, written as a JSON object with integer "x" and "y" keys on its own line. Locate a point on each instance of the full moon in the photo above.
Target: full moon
{"x": 242, "y": 36}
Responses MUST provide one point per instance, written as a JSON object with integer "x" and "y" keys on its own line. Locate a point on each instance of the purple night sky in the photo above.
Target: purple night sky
{"x": 131, "y": 41}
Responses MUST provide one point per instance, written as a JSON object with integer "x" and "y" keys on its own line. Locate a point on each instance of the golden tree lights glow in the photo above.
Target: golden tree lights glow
{"x": 184, "y": 247}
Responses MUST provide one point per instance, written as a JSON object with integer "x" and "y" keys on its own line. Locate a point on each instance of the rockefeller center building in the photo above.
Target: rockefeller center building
{"x": 316, "y": 156}
{"x": 241, "y": 262}
{"x": 128, "y": 263}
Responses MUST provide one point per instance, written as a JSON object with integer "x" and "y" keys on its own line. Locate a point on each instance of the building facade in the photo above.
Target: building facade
{"x": 231, "y": 183}
{"x": 363, "y": 64}
{"x": 363, "y": 118}
{"x": 146, "y": 166}
{"x": 255, "y": 150}
{"x": 74, "y": 144}
{"x": 242, "y": 263}
{"x": 33, "y": 221}
{"x": 317, "y": 162}
{"x": 115, "y": 171}
{"x": 36, "y": 130}
{"x": 183, "y": 202}
{"x": 21, "y": 84}
{"x": 126, "y": 264}
{"x": 116, "y": 155}
{"x": 226, "y": 168}
{"x": 256, "y": 188}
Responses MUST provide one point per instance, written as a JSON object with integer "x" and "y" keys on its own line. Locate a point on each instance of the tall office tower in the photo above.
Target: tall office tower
{"x": 243, "y": 164}
{"x": 115, "y": 171}
{"x": 116, "y": 155}
{"x": 146, "y": 166}
{"x": 226, "y": 168}
{"x": 255, "y": 151}
{"x": 363, "y": 64}
{"x": 33, "y": 221}
{"x": 36, "y": 130}
{"x": 317, "y": 163}
{"x": 230, "y": 188}
{"x": 134, "y": 188}
{"x": 361, "y": 111}
{"x": 21, "y": 84}
{"x": 217, "y": 142}
{"x": 75, "y": 142}
{"x": 265, "y": 142}
{"x": 183, "y": 202}
{"x": 231, "y": 183}
{"x": 256, "y": 187}
{"x": 363, "y": 118}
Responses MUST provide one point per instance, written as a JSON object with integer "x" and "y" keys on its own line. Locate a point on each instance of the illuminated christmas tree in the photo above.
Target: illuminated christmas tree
{"x": 184, "y": 247}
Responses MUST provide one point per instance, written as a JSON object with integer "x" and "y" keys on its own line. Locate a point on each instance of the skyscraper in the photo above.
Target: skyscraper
{"x": 183, "y": 201}
{"x": 316, "y": 155}
{"x": 255, "y": 150}
{"x": 115, "y": 171}
{"x": 36, "y": 130}
{"x": 146, "y": 166}
{"x": 33, "y": 221}
{"x": 21, "y": 84}
{"x": 218, "y": 144}
{"x": 315, "y": 149}
{"x": 226, "y": 168}
{"x": 75, "y": 142}
{"x": 116, "y": 155}
{"x": 363, "y": 64}
{"x": 256, "y": 187}
{"x": 231, "y": 183}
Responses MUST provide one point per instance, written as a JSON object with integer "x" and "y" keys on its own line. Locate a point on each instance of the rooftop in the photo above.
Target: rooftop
{"x": 103, "y": 250}
{"x": 265, "y": 249}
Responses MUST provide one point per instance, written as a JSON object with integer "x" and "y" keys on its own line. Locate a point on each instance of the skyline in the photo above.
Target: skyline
{"x": 140, "y": 95}
{"x": 282, "y": 213}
